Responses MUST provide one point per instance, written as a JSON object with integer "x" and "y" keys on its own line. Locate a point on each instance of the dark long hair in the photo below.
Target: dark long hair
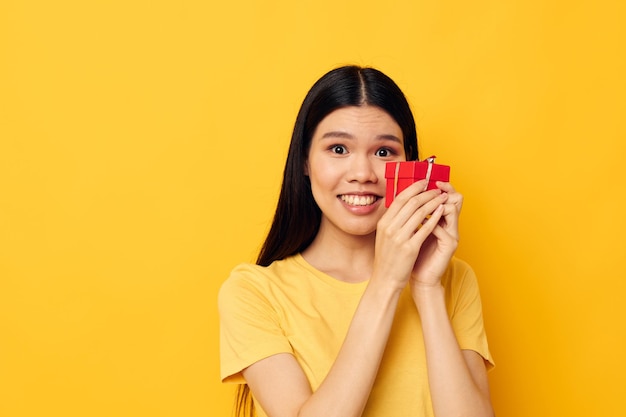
{"x": 297, "y": 218}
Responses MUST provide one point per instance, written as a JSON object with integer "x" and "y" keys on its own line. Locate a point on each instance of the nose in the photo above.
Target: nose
{"x": 362, "y": 170}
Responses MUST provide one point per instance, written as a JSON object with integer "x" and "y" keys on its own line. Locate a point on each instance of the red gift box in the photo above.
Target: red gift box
{"x": 400, "y": 175}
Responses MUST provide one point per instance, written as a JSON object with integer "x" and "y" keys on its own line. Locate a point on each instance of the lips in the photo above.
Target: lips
{"x": 358, "y": 200}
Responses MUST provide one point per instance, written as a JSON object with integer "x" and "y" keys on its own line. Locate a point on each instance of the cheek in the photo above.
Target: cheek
{"x": 319, "y": 193}
{"x": 319, "y": 182}
{"x": 324, "y": 178}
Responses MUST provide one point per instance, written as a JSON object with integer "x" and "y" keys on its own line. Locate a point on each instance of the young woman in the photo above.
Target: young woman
{"x": 353, "y": 309}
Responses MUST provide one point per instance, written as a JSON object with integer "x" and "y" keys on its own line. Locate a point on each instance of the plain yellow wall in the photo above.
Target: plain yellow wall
{"x": 141, "y": 149}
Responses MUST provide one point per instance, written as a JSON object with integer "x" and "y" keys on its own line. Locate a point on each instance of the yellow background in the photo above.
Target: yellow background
{"x": 141, "y": 149}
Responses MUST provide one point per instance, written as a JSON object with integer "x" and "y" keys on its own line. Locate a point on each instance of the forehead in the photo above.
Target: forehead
{"x": 359, "y": 121}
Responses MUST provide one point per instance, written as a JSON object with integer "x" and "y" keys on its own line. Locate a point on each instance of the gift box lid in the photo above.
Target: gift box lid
{"x": 417, "y": 170}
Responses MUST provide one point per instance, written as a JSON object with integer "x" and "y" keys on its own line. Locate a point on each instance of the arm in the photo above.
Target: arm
{"x": 280, "y": 386}
{"x": 457, "y": 378}
{"x": 278, "y": 382}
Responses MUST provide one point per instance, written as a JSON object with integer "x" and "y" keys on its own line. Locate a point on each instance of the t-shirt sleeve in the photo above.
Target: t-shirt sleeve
{"x": 249, "y": 324}
{"x": 466, "y": 314}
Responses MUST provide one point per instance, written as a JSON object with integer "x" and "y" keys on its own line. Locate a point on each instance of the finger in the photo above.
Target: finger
{"x": 450, "y": 219}
{"x": 445, "y": 238}
{"x": 445, "y": 186}
{"x": 450, "y": 209}
{"x": 419, "y": 216}
{"x": 455, "y": 197}
{"x": 409, "y": 206}
{"x": 429, "y": 225}
{"x": 411, "y": 191}
{"x": 402, "y": 197}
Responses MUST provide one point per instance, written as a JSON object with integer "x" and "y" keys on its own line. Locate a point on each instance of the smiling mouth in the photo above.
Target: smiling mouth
{"x": 358, "y": 200}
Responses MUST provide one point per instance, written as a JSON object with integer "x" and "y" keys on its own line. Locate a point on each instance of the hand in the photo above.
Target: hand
{"x": 403, "y": 229}
{"x": 439, "y": 247}
{"x": 452, "y": 209}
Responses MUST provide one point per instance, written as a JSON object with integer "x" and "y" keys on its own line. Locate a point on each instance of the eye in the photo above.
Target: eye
{"x": 384, "y": 152}
{"x": 338, "y": 149}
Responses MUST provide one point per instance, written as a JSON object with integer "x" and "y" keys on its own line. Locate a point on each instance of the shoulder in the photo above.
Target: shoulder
{"x": 462, "y": 291}
{"x": 244, "y": 279}
{"x": 460, "y": 282}
{"x": 250, "y": 281}
{"x": 244, "y": 275}
{"x": 243, "y": 295}
{"x": 458, "y": 273}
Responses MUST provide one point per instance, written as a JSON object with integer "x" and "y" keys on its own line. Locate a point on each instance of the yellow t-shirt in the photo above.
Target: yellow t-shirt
{"x": 290, "y": 307}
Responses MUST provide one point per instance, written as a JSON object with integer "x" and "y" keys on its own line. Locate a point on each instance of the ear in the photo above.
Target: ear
{"x": 306, "y": 168}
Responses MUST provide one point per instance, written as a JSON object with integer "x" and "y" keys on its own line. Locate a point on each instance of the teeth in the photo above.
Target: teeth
{"x": 358, "y": 200}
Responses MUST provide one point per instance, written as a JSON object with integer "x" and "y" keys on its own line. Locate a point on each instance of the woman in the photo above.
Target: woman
{"x": 354, "y": 309}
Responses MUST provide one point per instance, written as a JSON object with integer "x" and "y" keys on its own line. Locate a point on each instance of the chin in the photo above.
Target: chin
{"x": 360, "y": 231}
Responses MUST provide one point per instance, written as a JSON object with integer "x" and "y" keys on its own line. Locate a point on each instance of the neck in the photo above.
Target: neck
{"x": 345, "y": 257}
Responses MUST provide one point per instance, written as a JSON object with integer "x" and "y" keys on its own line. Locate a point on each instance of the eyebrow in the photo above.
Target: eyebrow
{"x": 346, "y": 135}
